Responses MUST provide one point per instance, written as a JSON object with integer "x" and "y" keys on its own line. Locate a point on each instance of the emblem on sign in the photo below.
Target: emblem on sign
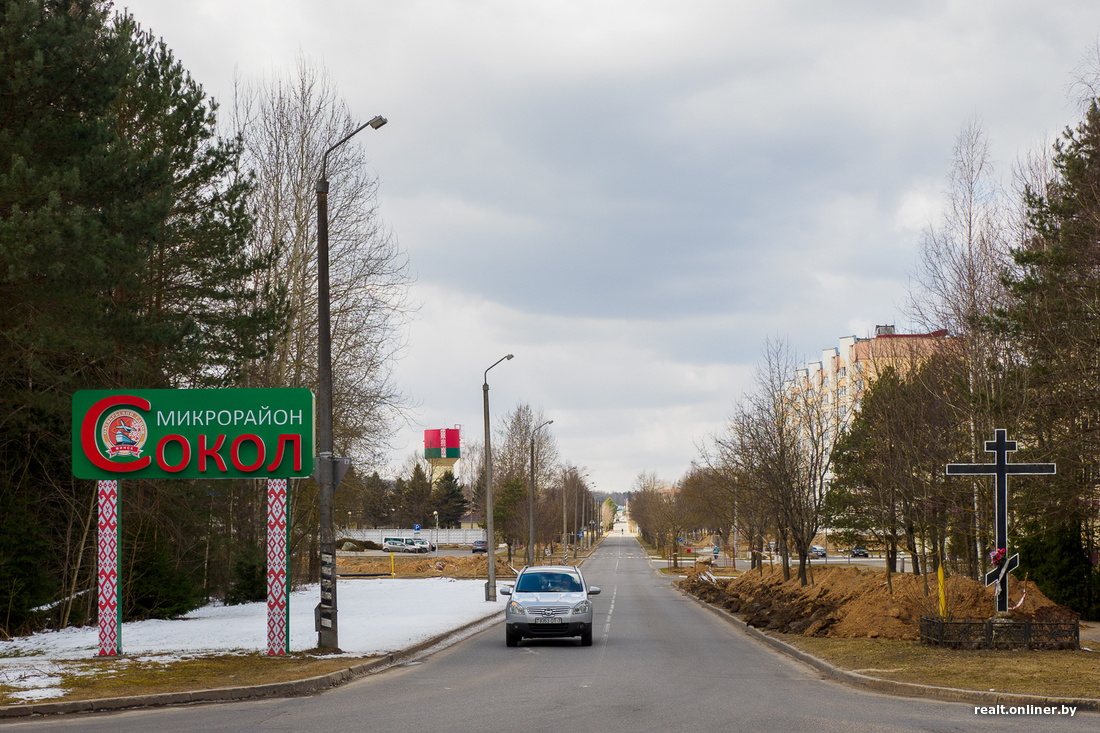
{"x": 124, "y": 434}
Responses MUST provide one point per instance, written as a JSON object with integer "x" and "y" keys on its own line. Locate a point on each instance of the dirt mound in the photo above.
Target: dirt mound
{"x": 424, "y": 566}
{"x": 855, "y": 603}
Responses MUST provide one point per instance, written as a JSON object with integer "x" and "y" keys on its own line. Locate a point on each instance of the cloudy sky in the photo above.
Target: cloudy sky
{"x": 632, "y": 196}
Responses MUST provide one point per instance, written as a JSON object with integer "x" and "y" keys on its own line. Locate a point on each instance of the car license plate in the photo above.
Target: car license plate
{"x": 548, "y": 620}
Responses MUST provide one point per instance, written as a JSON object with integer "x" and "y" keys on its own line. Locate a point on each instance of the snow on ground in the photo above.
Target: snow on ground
{"x": 376, "y": 616}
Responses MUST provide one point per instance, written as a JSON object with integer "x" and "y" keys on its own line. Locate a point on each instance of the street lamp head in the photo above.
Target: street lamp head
{"x": 377, "y": 122}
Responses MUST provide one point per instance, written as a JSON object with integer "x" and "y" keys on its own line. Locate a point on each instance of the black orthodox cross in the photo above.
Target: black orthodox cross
{"x": 1001, "y": 469}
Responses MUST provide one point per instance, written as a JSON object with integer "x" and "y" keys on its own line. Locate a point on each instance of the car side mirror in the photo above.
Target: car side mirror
{"x": 506, "y": 590}
{"x": 593, "y": 590}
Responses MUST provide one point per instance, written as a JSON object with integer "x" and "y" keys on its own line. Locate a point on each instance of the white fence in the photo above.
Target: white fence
{"x": 440, "y": 536}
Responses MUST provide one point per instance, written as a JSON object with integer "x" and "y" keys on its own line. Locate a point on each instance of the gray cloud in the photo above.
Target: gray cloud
{"x": 633, "y": 195}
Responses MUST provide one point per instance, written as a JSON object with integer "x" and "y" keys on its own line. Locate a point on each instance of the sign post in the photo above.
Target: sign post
{"x": 110, "y": 630}
{"x": 1000, "y": 447}
{"x": 278, "y": 598}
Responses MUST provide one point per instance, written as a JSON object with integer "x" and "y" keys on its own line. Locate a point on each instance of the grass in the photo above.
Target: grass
{"x": 1074, "y": 674}
{"x": 121, "y": 676}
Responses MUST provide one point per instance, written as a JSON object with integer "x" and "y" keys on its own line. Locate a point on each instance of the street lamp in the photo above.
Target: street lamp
{"x": 436, "y": 513}
{"x": 490, "y": 535}
{"x": 564, "y": 519}
{"x": 327, "y": 631}
{"x": 531, "y": 499}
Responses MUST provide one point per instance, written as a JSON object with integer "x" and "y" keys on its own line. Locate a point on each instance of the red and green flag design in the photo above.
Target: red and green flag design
{"x": 441, "y": 443}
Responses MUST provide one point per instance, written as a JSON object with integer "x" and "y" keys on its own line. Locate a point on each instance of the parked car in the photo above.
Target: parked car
{"x": 395, "y": 544}
{"x": 858, "y": 551}
{"x": 817, "y": 550}
{"x": 424, "y": 545}
{"x": 480, "y": 546}
{"x": 548, "y": 601}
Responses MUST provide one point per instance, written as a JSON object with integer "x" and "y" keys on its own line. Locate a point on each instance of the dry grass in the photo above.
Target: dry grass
{"x": 121, "y": 676}
{"x": 1050, "y": 673}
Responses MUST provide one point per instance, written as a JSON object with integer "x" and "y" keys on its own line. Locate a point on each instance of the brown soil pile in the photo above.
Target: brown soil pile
{"x": 425, "y": 566}
{"x": 854, "y": 603}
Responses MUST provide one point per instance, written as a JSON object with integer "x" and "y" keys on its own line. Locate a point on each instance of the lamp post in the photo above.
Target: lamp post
{"x": 577, "y": 521}
{"x": 436, "y": 513}
{"x": 490, "y": 535}
{"x": 531, "y": 499}
{"x": 327, "y": 630}
{"x": 564, "y": 519}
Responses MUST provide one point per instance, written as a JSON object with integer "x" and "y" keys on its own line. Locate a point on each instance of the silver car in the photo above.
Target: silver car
{"x": 547, "y": 602}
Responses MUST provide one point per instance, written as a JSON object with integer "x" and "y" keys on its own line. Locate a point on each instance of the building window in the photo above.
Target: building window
{"x": 842, "y": 391}
{"x": 841, "y": 372}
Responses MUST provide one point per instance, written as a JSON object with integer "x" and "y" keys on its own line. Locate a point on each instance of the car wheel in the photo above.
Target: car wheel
{"x": 586, "y": 637}
{"x": 511, "y": 639}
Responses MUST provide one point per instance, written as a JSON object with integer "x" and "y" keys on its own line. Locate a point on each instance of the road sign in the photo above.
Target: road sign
{"x": 193, "y": 433}
{"x": 416, "y": 527}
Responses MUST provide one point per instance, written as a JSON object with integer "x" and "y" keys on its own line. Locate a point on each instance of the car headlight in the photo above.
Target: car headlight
{"x": 582, "y": 607}
{"x": 516, "y": 608}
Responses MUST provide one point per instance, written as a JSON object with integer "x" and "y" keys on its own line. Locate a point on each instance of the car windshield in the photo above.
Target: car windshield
{"x": 548, "y": 583}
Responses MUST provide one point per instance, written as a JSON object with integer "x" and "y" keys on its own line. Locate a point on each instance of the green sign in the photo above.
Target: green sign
{"x": 193, "y": 433}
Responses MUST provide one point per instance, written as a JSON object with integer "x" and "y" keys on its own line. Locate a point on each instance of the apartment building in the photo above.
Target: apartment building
{"x": 846, "y": 371}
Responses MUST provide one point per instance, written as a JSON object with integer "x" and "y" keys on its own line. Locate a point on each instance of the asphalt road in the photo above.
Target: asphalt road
{"x": 659, "y": 663}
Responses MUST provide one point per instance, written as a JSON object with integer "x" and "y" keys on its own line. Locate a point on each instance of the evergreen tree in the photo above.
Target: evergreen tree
{"x": 1054, "y": 320}
{"x": 122, "y": 264}
{"x": 449, "y": 500}
{"x": 376, "y": 501}
{"x": 414, "y": 498}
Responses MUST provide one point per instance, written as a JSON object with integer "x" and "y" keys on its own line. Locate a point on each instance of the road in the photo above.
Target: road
{"x": 659, "y": 663}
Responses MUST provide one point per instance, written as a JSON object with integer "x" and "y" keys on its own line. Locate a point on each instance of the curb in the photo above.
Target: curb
{"x": 890, "y": 687}
{"x": 294, "y": 688}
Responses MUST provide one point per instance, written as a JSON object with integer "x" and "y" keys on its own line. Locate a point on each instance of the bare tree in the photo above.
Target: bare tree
{"x": 785, "y": 433}
{"x": 512, "y": 448}
{"x": 959, "y": 286}
{"x": 286, "y": 125}
{"x": 1085, "y": 85}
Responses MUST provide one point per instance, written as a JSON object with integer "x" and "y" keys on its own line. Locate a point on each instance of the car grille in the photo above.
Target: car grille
{"x": 545, "y": 610}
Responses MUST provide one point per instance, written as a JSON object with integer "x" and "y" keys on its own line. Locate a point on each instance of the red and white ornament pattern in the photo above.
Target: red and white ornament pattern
{"x": 110, "y": 635}
{"x": 278, "y": 628}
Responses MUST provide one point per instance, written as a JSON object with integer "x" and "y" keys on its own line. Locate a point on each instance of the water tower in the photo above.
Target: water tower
{"x": 441, "y": 449}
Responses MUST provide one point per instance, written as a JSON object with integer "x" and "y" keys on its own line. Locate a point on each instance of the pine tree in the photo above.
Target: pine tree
{"x": 449, "y": 500}
{"x": 1055, "y": 322}
{"x": 122, "y": 264}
